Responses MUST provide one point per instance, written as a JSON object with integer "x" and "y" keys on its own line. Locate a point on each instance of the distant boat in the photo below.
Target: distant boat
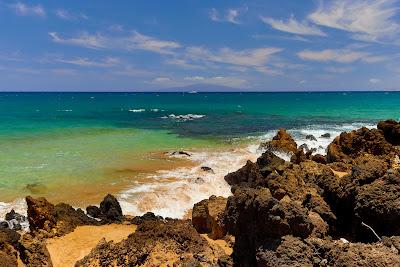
{"x": 192, "y": 92}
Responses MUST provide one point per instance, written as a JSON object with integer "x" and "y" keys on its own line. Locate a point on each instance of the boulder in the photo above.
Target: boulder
{"x": 391, "y": 131}
{"x": 8, "y": 247}
{"x": 311, "y": 137}
{"x": 268, "y": 162}
{"x": 207, "y": 217}
{"x": 348, "y": 146}
{"x": 377, "y": 202}
{"x": 248, "y": 175}
{"x": 282, "y": 141}
{"x": 93, "y": 211}
{"x": 253, "y": 216}
{"x": 148, "y": 216}
{"x": 56, "y": 220}
{"x": 286, "y": 252}
{"x": 110, "y": 209}
{"x": 207, "y": 169}
{"x": 157, "y": 243}
{"x": 319, "y": 158}
{"x": 41, "y": 214}
{"x": 33, "y": 252}
{"x": 326, "y": 135}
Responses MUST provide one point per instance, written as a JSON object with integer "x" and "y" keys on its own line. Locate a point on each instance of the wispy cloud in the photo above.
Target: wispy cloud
{"x": 339, "y": 55}
{"x": 293, "y": 26}
{"x": 183, "y": 63}
{"x": 230, "y": 81}
{"x": 374, "y": 80}
{"x": 368, "y": 20}
{"x": 66, "y": 15}
{"x": 86, "y": 62}
{"x": 257, "y": 57}
{"x": 132, "y": 41}
{"x": 339, "y": 70}
{"x": 22, "y": 9}
{"x": 230, "y": 15}
{"x": 84, "y": 39}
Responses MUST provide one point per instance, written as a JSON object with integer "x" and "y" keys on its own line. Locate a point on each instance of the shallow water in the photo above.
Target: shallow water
{"x": 75, "y": 147}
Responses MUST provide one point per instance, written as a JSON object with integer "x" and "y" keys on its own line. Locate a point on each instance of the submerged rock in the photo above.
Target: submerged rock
{"x": 207, "y": 169}
{"x": 326, "y": 135}
{"x": 311, "y": 137}
{"x": 207, "y": 217}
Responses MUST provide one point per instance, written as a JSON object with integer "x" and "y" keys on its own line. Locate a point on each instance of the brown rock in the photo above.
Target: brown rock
{"x": 362, "y": 141}
{"x": 254, "y": 216}
{"x": 33, "y": 252}
{"x": 157, "y": 243}
{"x": 282, "y": 141}
{"x": 391, "y": 131}
{"x": 207, "y": 217}
{"x": 41, "y": 214}
{"x": 248, "y": 175}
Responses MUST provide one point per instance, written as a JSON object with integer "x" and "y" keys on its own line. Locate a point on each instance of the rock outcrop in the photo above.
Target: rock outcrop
{"x": 207, "y": 217}
{"x": 282, "y": 141}
{"x": 157, "y": 243}
{"x": 391, "y": 131}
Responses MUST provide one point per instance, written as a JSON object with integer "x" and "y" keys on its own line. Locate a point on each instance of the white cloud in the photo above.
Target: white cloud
{"x": 374, "y": 80}
{"x": 293, "y": 26}
{"x": 85, "y": 62}
{"x": 133, "y": 41}
{"x": 161, "y": 80}
{"x": 183, "y": 63}
{"x": 368, "y": 20}
{"x": 339, "y": 55}
{"x": 257, "y": 57}
{"x": 22, "y": 9}
{"x": 339, "y": 70}
{"x": 66, "y": 15}
{"x": 230, "y": 15}
{"x": 131, "y": 71}
{"x": 140, "y": 41}
{"x": 83, "y": 39}
{"x": 194, "y": 78}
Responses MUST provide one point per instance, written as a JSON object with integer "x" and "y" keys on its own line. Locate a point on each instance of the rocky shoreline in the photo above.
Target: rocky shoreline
{"x": 338, "y": 209}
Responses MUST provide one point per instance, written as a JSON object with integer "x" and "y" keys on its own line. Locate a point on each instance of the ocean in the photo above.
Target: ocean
{"x": 76, "y": 147}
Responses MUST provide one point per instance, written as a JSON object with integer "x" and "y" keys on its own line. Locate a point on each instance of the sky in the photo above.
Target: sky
{"x": 258, "y": 45}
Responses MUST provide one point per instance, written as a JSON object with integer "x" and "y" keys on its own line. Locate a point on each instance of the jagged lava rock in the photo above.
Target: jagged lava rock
{"x": 355, "y": 143}
{"x": 207, "y": 217}
{"x": 111, "y": 209}
{"x": 254, "y": 216}
{"x": 157, "y": 243}
{"x": 391, "y": 131}
{"x": 282, "y": 141}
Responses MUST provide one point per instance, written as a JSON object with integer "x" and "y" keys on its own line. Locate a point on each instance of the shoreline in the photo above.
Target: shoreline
{"x": 279, "y": 212}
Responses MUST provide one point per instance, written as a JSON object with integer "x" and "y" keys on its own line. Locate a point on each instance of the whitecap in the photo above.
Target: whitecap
{"x": 137, "y": 110}
{"x": 186, "y": 117}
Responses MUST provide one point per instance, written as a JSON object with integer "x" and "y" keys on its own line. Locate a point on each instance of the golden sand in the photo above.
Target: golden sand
{"x": 67, "y": 250}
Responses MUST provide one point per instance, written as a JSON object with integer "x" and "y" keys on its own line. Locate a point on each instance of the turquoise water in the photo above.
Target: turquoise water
{"x": 53, "y": 143}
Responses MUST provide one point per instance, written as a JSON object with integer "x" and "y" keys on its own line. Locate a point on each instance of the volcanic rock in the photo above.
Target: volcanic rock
{"x": 391, "y": 131}
{"x": 282, "y": 141}
{"x": 207, "y": 217}
{"x": 254, "y": 216}
{"x": 157, "y": 243}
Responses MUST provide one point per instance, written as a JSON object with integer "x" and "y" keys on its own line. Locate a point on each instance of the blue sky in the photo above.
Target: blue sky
{"x": 147, "y": 45}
